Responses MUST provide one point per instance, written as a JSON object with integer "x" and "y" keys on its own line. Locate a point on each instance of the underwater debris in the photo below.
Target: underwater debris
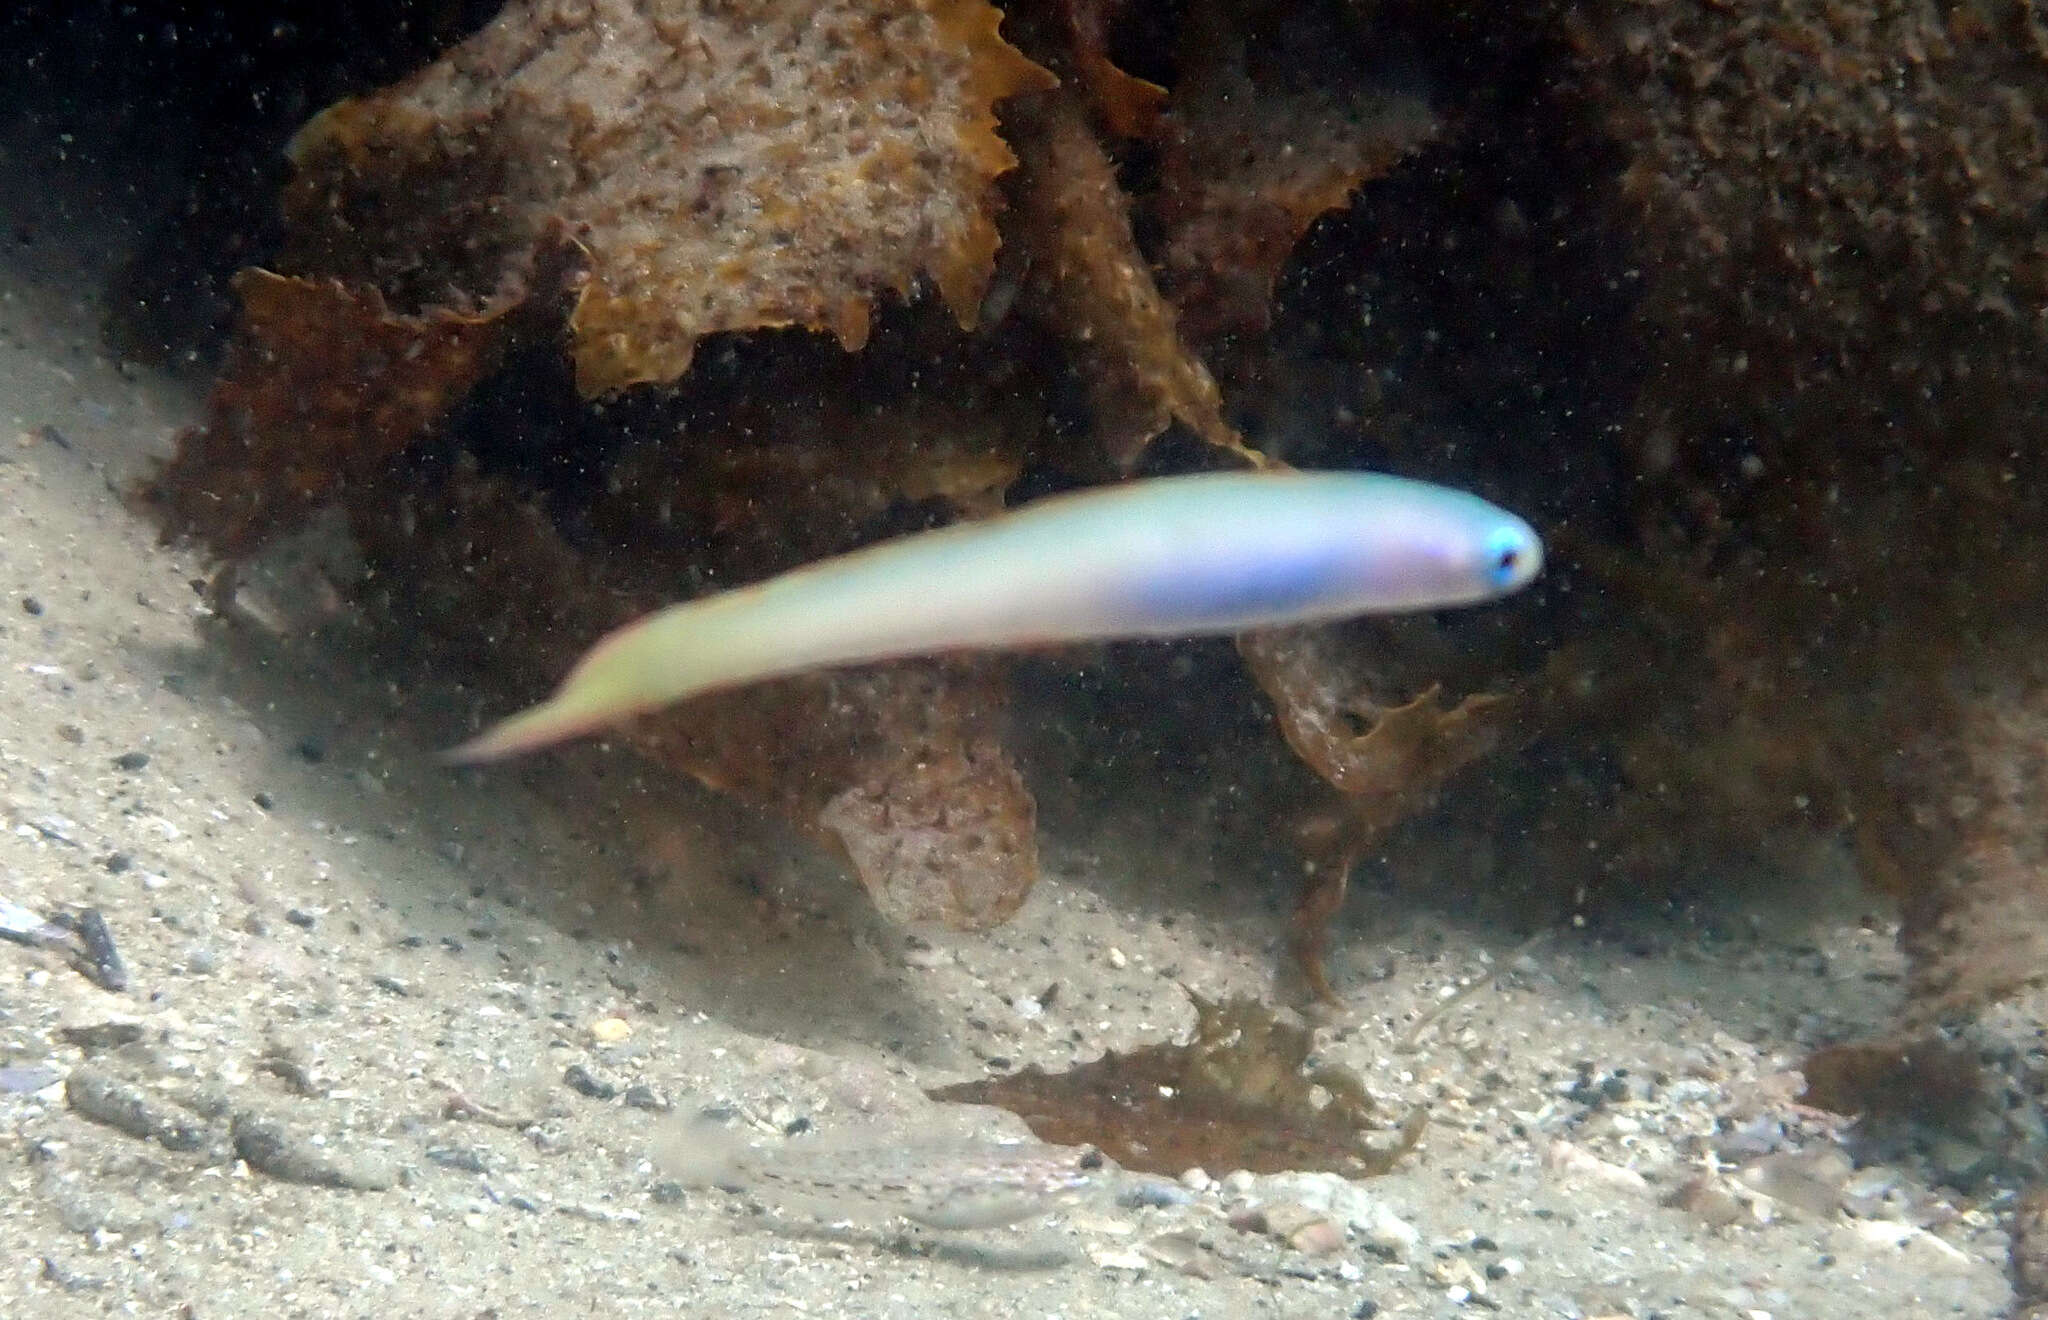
{"x": 1240, "y": 1095}
{"x": 1388, "y": 761}
{"x": 724, "y": 172}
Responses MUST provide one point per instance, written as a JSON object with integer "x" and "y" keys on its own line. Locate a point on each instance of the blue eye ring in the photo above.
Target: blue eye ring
{"x": 1504, "y": 559}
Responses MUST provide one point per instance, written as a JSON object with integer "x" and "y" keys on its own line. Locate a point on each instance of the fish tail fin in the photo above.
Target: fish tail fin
{"x": 558, "y": 719}
{"x": 632, "y": 669}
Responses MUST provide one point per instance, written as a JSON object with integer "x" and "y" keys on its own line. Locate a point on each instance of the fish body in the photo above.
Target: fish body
{"x": 1205, "y": 555}
{"x": 956, "y": 1185}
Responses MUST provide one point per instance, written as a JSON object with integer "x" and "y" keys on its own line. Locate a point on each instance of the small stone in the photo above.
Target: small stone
{"x": 117, "y": 862}
{"x": 18, "y": 1080}
{"x": 1197, "y": 1179}
{"x": 302, "y": 918}
{"x": 1180, "y": 1251}
{"x": 1708, "y": 1200}
{"x": 1239, "y": 1182}
{"x": 1117, "y": 958}
{"x": 1507, "y": 1267}
{"x": 642, "y": 1096}
{"x": 1127, "y": 1260}
{"x": 132, "y": 761}
{"x": 72, "y": 734}
{"x": 580, "y": 1079}
{"x": 1318, "y": 1237}
{"x": 272, "y": 1147}
{"x": 464, "y": 1159}
{"x": 1285, "y": 1218}
{"x": 1387, "y": 1234}
{"x": 31, "y": 606}
{"x": 610, "y": 1030}
{"x": 1960, "y": 1162}
{"x": 1152, "y": 1194}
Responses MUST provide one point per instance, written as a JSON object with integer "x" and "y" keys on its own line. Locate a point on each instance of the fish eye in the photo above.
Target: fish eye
{"x": 1506, "y": 556}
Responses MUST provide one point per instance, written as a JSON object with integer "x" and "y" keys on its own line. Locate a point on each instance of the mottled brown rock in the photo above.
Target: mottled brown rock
{"x": 1830, "y": 191}
{"x": 725, "y": 168}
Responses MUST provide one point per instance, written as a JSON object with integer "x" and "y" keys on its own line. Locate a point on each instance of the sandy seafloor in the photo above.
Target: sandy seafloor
{"x": 325, "y": 931}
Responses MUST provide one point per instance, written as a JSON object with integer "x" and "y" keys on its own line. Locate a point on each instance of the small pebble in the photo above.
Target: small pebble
{"x": 271, "y": 1146}
{"x": 1152, "y": 1194}
{"x": 580, "y": 1079}
{"x": 1387, "y": 1234}
{"x": 23, "y": 1080}
{"x": 31, "y": 606}
{"x": 642, "y": 1096}
{"x": 1318, "y": 1237}
{"x": 465, "y": 1159}
{"x": 610, "y": 1031}
{"x": 131, "y": 761}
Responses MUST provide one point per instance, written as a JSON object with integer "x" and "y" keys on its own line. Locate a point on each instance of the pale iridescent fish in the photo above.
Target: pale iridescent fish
{"x": 956, "y": 1185}
{"x": 1187, "y": 556}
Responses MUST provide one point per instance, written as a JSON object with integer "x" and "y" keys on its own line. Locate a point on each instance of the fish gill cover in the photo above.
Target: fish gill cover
{"x": 1745, "y": 304}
